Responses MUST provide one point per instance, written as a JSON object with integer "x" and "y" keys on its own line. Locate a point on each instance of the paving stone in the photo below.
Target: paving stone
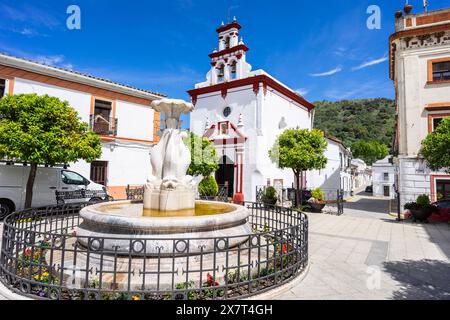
{"x": 413, "y": 259}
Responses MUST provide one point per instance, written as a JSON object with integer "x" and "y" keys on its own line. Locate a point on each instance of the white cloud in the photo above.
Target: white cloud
{"x": 302, "y": 91}
{"x": 30, "y": 14}
{"x": 54, "y": 60}
{"x": 328, "y": 73}
{"x": 370, "y": 63}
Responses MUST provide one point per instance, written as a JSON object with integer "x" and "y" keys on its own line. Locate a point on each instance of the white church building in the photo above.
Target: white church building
{"x": 243, "y": 112}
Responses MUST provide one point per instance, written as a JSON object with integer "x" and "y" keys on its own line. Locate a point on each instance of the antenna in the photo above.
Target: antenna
{"x": 425, "y": 5}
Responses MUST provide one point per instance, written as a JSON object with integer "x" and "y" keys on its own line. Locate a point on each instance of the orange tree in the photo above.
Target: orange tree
{"x": 300, "y": 150}
{"x": 43, "y": 130}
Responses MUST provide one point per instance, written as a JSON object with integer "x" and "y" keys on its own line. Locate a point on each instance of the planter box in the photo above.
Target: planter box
{"x": 317, "y": 207}
{"x": 421, "y": 215}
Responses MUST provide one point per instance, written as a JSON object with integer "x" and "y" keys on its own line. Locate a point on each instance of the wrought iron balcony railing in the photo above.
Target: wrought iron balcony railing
{"x": 102, "y": 126}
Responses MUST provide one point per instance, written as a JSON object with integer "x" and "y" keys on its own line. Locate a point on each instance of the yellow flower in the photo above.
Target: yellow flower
{"x": 136, "y": 298}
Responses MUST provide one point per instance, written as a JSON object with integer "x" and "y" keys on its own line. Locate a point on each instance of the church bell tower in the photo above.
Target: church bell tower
{"x": 228, "y": 63}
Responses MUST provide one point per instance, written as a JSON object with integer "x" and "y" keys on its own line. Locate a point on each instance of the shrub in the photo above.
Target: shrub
{"x": 412, "y": 206}
{"x": 318, "y": 194}
{"x": 208, "y": 187}
{"x": 269, "y": 194}
{"x": 423, "y": 200}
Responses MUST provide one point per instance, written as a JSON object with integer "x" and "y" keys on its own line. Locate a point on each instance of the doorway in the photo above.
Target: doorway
{"x": 387, "y": 191}
{"x": 99, "y": 172}
{"x": 443, "y": 189}
{"x": 225, "y": 174}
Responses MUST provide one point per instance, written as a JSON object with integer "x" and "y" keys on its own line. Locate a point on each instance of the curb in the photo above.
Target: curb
{"x": 10, "y": 295}
{"x": 277, "y": 292}
{"x": 270, "y": 295}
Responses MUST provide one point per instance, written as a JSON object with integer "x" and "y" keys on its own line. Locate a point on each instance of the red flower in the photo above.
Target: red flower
{"x": 28, "y": 252}
{"x": 210, "y": 281}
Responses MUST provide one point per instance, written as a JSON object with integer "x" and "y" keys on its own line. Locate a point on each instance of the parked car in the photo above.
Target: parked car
{"x": 49, "y": 180}
{"x": 369, "y": 189}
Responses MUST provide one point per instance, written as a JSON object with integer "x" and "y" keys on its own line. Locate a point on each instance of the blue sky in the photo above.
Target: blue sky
{"x": 322, "y": 49}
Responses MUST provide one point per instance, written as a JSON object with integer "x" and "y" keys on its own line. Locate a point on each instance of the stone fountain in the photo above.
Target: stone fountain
{"x": 169, "y": 210}
{"x": 169, "y": 188}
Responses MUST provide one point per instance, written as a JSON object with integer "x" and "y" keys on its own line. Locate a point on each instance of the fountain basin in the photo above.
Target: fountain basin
{"x": 159, "y": 233}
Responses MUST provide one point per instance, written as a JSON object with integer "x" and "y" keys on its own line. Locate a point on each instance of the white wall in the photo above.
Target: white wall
{"x": 331, "y": 178}
{"x": 80, "y": 101}
{"x": 379, "y": 182}
{"x": 127, "y": 164}
{"x": 135, "y": 120}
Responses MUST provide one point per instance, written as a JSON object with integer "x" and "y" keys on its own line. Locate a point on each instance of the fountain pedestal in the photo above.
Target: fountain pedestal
{"x": 169, "y": 200}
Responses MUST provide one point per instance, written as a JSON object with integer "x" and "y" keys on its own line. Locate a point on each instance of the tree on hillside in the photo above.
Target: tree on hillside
{"x": 300, "y": 150}
{"x": 436, "y": 147}
{"x": 369, "y": 151}
{"x": 353, "y": 120}
{"x": 43, "y": 130}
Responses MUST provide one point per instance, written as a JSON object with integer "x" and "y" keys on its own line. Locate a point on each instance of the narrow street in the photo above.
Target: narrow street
{"x": 365, "y": 205}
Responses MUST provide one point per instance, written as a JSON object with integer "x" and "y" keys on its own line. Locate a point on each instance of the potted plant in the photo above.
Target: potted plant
{"x": 421, "y": 210}
{"x": 317, "y": 201}
{"x": 269, "y": 197}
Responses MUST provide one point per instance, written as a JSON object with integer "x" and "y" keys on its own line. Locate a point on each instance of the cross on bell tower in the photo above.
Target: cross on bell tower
{"x": 229, "y": 61}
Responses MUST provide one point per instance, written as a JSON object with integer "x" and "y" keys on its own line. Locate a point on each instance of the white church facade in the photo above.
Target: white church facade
{"x": 243, "y": 112}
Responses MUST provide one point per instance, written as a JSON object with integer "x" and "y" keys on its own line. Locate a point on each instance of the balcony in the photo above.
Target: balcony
{"x": 102, "y": 126}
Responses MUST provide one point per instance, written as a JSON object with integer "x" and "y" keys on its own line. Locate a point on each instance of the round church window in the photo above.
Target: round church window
{"x": 227, "y": 112}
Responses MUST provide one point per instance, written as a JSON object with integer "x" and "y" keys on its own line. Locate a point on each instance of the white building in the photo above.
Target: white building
{"x": 337, "y": 173}
{"x": 384, "y": 178}
{"x": 121, "y": 115}
{"x": 361, "y": 175}
{"x": 242, "y": 112}
{"x": 420, "y": 69}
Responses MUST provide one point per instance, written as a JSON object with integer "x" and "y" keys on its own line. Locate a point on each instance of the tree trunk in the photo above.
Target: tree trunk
{"x": 297, "y": 185}
{"x": 301, "y": 189}
{"x": 30, "y": 184}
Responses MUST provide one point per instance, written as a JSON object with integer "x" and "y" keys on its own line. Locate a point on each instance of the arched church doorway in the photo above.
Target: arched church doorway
{"x": 225, "y": 174}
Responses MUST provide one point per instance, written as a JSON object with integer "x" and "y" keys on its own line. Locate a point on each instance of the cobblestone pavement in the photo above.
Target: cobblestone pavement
{"x": 366, "y": 254}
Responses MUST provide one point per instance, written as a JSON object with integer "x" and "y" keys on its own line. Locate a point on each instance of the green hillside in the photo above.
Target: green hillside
{"x": 352, "y": 120}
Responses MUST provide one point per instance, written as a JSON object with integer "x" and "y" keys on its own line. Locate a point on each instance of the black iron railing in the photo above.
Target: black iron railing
{"x": 42, "y": 257}
{"x": 135, "y": 192}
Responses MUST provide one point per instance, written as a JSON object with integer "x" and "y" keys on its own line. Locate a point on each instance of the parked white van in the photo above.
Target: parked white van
{"x": 13, "y": 181}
